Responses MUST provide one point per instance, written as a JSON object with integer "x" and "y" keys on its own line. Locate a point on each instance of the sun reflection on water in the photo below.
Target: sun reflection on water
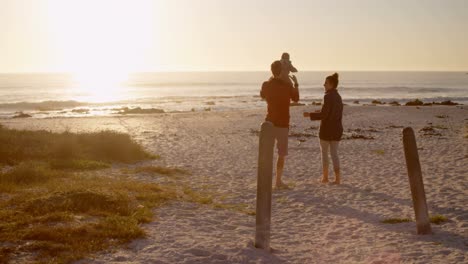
{"x": 98, "y": 87}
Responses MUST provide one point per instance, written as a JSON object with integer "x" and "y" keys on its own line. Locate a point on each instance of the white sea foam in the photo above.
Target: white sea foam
{"x": 59, "y": 93}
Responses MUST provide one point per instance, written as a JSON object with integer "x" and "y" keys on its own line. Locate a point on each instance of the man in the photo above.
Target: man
{"x": 278, "y": 95}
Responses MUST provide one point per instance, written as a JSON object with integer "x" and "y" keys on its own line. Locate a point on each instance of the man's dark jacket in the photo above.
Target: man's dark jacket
{"x": 331, "y": 128}
{"x": 278, "y": 95}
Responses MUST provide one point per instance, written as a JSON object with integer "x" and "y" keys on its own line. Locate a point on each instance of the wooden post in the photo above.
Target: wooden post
{"x": 423, "y": 225}
{"x": 264, "y": 182}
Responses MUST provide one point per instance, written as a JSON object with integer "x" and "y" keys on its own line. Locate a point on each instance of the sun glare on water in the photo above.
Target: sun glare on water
{"x": 102, "y": 42}
{"x": 100, "y": 87}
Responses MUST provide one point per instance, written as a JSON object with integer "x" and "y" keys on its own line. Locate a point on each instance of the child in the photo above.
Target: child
{"x": 286, "y": 68}
{"x": 331, "y": 128}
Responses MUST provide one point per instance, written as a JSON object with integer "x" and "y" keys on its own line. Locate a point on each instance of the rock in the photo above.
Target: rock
{"x": 447, "y": 103}
{"x": 22, "y": 115}
{"x": 358, "y": 136}
{"x": 377, "y": 102}
{"x": 356, "y": 102}
{"x": 297, "y": 104}
{"x": 139, "y": 110}
{"x": 414, "y": 103}
{"x": 81, "y": 110}
{"x": 394, "y": 103}
{"x": 418, "y": 102}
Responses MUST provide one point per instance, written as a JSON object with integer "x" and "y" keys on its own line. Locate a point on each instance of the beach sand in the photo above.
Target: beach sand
{"x": 311, "y": 222}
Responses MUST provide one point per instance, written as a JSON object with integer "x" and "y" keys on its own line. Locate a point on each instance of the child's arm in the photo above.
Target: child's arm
{"x": 292, "y": 68}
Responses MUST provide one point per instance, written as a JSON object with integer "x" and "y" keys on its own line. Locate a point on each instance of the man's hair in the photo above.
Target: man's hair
{"x": 276, "y": 68}
{"x": 285, "y": 56}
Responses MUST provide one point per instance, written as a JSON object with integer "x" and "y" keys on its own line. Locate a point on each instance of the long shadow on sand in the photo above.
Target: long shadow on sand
{"x": 377, "y": 196}
{"x": 310, "y": 199}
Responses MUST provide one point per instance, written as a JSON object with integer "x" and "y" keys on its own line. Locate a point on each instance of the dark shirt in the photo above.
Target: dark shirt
{"x": 278, "y": 95}
{"x": 331, "y": 127}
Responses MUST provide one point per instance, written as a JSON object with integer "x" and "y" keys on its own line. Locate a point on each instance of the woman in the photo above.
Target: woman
{"x": 331, "y": 128}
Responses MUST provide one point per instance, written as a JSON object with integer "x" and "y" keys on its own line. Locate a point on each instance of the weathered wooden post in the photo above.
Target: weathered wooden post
{"x": 416, "y": 182}
{"x": 264, "y": 182}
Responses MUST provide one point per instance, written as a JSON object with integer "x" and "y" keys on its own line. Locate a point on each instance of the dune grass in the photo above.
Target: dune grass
{"x": 435, "y": 219}
{"x": 54, "y": 206}
{"x": 380, "y": 152}
{"x": 69, "y": 216}
{"x": 167, "y": 171}
{"x": 78, "y": 165}
{"x": 438, "y": 219}
{"x": 54, "y": 209}
{"x": 24, "y": 175}
{"x": 103, "y": 146}
{"x": 197, "y": 197}
{"x": 210, "y": 199}
{"x": 395, "y": 220}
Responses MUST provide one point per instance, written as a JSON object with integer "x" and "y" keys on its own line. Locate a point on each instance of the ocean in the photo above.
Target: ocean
{"x": 63, "y": 95}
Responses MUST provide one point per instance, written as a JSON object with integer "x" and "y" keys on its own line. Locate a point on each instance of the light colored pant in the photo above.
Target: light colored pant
{"x": 332, "y": 147}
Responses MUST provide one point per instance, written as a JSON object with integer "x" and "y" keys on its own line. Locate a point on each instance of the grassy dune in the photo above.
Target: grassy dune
{"x": 58, "y": 204}
{"x": 104, "y": 146}
{"x": 55, "y": 209}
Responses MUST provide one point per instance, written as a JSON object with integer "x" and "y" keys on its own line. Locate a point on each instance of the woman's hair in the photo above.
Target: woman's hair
{"x": 334, "y": 80}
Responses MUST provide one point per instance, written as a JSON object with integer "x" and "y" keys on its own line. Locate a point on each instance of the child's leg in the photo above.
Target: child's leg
{"x": 324, "y": 147}
{"x": 336, "y": 160}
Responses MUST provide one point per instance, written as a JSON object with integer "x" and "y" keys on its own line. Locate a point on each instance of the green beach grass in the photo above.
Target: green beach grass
{"x": 58, "y": 203}
{"x": 103, "y": 146}
{"x": 56, "y": 209}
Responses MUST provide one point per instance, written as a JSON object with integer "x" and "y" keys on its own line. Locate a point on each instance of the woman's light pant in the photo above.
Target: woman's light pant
{"x": 332, "y": 147}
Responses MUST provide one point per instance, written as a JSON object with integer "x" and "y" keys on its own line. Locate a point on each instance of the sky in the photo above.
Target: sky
{"x": 239, "y": 35}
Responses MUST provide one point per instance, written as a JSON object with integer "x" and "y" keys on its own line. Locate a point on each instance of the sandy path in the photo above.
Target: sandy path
{"x": 312, "y": 223}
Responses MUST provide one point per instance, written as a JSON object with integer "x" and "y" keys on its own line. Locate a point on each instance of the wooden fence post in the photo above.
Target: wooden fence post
{"x": 264, "y": 182}
{"x": 423, "y": 225}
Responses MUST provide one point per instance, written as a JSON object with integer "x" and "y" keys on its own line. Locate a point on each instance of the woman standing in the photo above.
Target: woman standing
{"x": 331, "y": 127}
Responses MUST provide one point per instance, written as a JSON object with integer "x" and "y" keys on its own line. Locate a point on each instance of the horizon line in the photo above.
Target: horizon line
{"x": 237, "y": 71}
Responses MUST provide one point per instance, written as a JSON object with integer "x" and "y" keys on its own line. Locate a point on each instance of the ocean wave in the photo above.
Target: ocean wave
{"x": 44, "y": 105}
{"x": 462, "y": 99}
{"x": 393, "y": 89}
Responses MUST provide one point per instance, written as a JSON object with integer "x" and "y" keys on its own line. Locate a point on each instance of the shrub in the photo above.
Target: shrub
{"x": 395, "y": 220}
{"x": 71, "y": 164}
{"x": 438, "y": 219}
{"x": 27, "y": 173}
{"x": 168, "y": 171}
{"x": 104, "y": 146}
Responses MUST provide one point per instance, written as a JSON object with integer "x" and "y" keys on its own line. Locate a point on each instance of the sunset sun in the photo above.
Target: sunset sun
{"x": 101, "y": 42}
